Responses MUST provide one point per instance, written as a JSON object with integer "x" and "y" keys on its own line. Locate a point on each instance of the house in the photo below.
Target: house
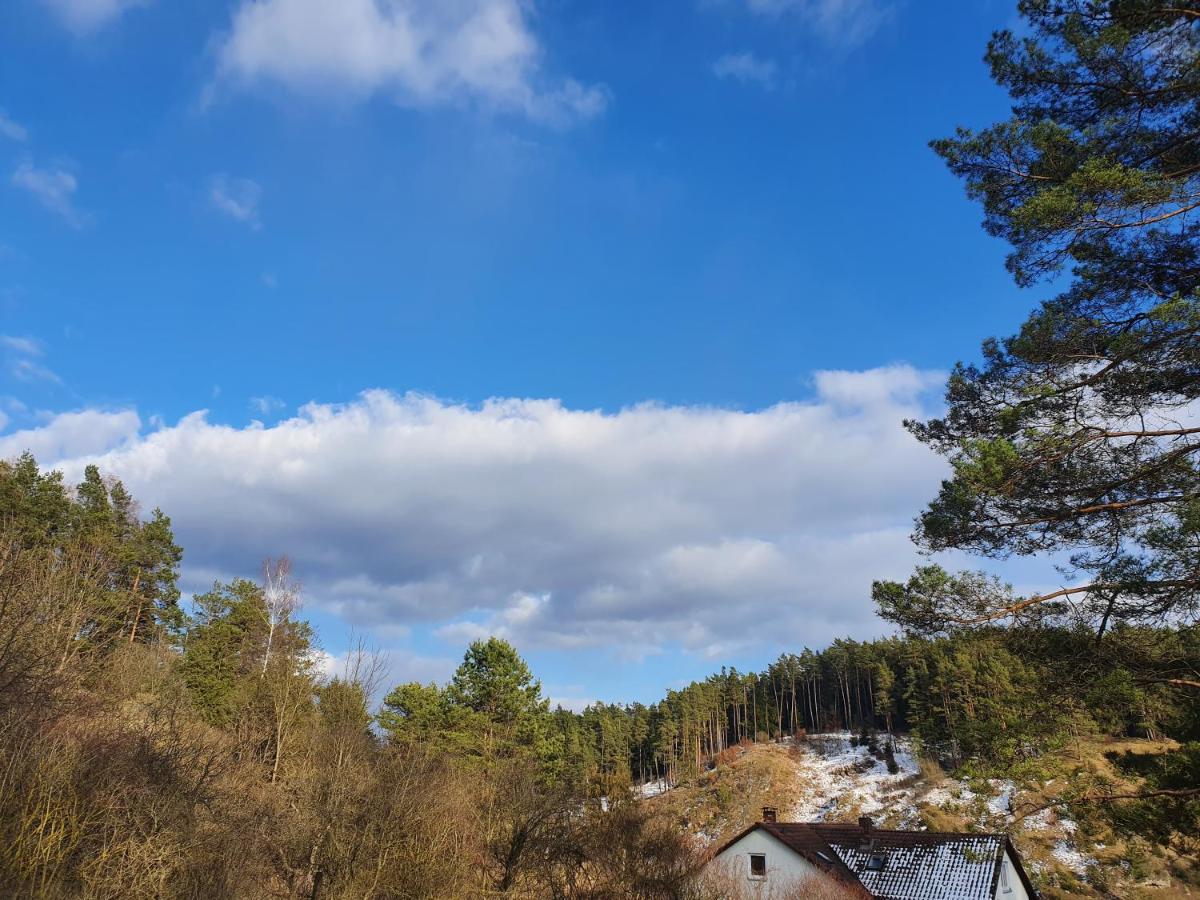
{"x": 769, "y": 856}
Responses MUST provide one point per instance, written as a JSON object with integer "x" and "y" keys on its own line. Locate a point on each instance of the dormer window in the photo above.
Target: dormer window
{"x": 758, "y": 865}
{"x": 876, "y": 862}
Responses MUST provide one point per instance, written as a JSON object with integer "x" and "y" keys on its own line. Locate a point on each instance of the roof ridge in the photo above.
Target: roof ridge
{"x": 856, "y": 827}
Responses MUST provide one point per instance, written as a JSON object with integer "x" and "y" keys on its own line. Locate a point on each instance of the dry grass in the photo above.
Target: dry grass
{"x": 721, "y": 802}
{"x": 931, "y": 770}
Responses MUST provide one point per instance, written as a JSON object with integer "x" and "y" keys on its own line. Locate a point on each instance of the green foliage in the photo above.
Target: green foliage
{"x": 495, "y": 682}
{"x": 35, "y": 506}
{"x": 222, "y": 648}
{"x": 1072, "y": 436}
{"x": 492, "y": 709}
{"x": 140, "y": 558}
{"x": 1168, "y": 818}
{"x": 414, "y": 712}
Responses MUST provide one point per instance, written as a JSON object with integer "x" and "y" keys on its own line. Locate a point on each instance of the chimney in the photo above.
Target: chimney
{"x": 865, "y": 823}
{"x": 769, "y": 814}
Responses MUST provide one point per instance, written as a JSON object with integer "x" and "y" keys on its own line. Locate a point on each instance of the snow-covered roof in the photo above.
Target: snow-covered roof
{"x": 919, "y": 865}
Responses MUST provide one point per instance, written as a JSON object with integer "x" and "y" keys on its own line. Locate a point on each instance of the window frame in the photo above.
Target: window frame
{"x": 758, "y": 876}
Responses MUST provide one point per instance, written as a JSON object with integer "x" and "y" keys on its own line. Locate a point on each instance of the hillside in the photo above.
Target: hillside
{"x": 827, "y": 778}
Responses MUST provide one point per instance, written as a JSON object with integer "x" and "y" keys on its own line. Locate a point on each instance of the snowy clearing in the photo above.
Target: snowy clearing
{"x": 838, "y": 777}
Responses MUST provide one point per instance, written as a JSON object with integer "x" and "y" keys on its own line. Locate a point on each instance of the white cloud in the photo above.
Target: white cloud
{"x": 25, "y": 369}
{"x": 714, "y": 529}
{"x": 238, "y": 198}
{"x": 25, "y": 346}
{"x": 74, "y": 434}
{"x": 877, "y": 387}
{"x": 841, "y": 23}
{"x": 422, "y": 52}
{"x": 83, "y": 16}
{"x": 267, "y": 405}
{"x": 22, "y": 355}
{"x": 14, "y": 131}
{"x": 54, "y": 188}
{"x": 746, "y": 67}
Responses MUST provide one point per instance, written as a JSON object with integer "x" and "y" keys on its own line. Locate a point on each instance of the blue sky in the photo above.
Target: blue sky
{"x": 698, "y": 255}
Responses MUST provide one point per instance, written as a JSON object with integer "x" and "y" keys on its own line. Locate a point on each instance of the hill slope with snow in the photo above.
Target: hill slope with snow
{"x": 831, "y": 777}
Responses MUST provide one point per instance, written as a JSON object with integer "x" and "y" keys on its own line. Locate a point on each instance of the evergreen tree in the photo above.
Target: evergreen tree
{"x": 495, "y": 682}
{"x": 1074, "y": 436}
{"x": 221, "y": 649}
{"x": 414, "y": 712}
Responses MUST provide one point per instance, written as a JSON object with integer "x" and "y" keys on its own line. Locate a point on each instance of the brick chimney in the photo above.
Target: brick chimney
{"x": 769, "y": 814}
{"x": 865, "y": 823}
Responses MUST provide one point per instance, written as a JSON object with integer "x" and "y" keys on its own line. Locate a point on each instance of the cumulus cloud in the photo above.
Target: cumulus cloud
{"x": 643, "y": 529}
{"x": 746, "y": 68}
{"x": 83, "y": 16}
{"x": 73, "y": 434}
{"x": 421, "y": 52}
{"x": 876, "y": 387}
{"x": 14, "y": 131}
{"x": 841, "y": 23}
{"x": 53, "y": 187}
{"x": 238, "y": 198}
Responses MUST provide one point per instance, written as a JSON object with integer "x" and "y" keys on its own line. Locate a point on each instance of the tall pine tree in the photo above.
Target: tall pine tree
{"x": 1078, "y": 436}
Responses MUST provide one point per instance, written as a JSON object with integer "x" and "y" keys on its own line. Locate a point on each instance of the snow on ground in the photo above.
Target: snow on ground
{"x": 838, "y": 780}
{"x": 1038, "y": 821}
{"x": 953, "y": 793}
{"x": 654, "y": 788}
{"x": 1001, "y": 804}
{"x": 837, "y": 776}
{"x": 1068, "y": 854}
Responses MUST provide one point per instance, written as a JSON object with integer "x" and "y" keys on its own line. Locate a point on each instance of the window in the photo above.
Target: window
{"x": 758, "y": 865}
{"x": 876, "y": 862}
{"x": 1004, "y": 885}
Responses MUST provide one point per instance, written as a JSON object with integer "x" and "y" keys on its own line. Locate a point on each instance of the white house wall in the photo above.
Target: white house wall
{"x": 785, "y": 866}
{"x": 1016, "y": 890}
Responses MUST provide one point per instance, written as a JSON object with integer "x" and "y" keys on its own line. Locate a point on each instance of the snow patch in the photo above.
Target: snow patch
{"x": 1068, "y": 854}
{"x": 838, "y": 776}
{"x": 653, "y": 788}
{"x": 1038, "y": 821}
{"x": 1001, "y": 804}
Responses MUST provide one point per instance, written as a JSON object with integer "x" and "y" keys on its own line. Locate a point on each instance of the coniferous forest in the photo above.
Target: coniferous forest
{"x": 152, "y": 746}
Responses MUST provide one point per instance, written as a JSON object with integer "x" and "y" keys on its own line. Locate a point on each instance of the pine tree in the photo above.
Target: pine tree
{"x": 1075, "y": 436}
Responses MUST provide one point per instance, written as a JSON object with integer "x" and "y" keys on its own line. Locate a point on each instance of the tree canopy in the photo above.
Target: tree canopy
{"x": 1077, "y": 437}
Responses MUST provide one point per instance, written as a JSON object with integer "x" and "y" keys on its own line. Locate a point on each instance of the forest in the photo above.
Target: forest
{"x": 989, "y": 698}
